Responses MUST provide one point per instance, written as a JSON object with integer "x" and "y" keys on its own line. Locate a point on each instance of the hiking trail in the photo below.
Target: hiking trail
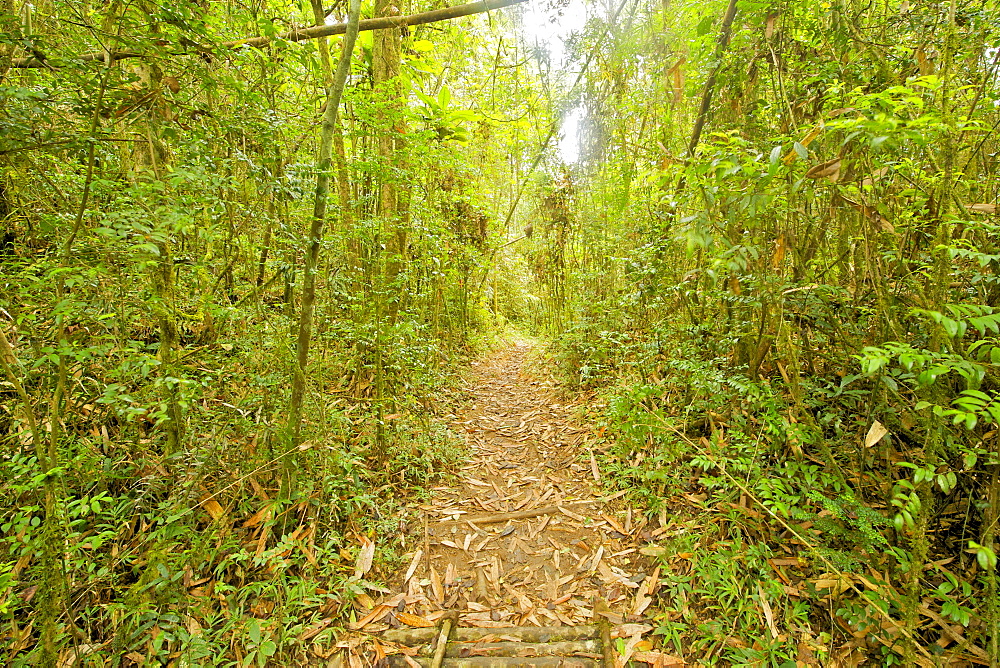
{"x": 522, "y": 536}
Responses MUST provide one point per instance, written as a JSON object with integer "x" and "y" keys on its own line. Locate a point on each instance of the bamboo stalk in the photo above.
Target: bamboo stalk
{"x": 447, "y": 624}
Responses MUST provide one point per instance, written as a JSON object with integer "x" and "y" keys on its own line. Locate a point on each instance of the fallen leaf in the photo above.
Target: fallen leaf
{"x": 377, "y": 613}
{"x": 212, "y": 506}
{"x": 414, "y": 620}
{"x": 654, "y": 551}
{"x": 365, "y": 557}
{"x": 413, "y": 565}
{"x": 315, "y": 629}
{"x": 875, "y": 434}
{"x": 768, "y": 612}
{"x": 658, "y": 659}
{"x": 261, "y": 515}
{"x": 436, "y": 587}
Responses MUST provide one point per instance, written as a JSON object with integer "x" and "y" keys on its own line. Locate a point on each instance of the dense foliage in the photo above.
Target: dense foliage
{"x": 798, "y": 301}
{"x": 161, "y": 498}
{"x": 223, "y": 340}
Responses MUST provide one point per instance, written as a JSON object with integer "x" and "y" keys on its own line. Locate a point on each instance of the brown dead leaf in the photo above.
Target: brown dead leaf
{"x": 436, "y": 587}
{"x": 768, "y": 612}
{"x": 769, "y": 24}
{"x": 835, "y": 585}
{"x": 676, "y": 76}
{"x": 365, "y": 557}
{"x": 413, "y": 565}
{"x": 871, "y": 214}
{"x": 875, "y": 434}
{"x": 261, "y": 515}
{"x": 414, "y": 620}
{"x": 808, "y": 139}
{"x": 315, "y": 629}
{"x": 779, "y": 251}
{"x": 213, "y": 507}
{"x": 377, "y": 613}
{"x": 982, "y": 208}
{"x": 829, "y": 170}
{"x": 658, "y": 659}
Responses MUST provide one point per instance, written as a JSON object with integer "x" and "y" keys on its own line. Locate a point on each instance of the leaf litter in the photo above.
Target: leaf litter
{"x": 521, "y": 536}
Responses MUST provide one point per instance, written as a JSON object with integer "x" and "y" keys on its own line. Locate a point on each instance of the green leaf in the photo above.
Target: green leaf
{"x": 426, "y": 99}
{"x": 422, "y": 45}
{"x": 801, "y": 150}
{"x": 978, "y": 395}
{"x": 444, "y": 96}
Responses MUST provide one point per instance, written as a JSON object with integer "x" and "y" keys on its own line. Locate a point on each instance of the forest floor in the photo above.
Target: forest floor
{"x": 521, "y": 536}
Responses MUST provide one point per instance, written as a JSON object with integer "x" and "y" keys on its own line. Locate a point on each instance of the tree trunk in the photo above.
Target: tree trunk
{"x": 385, "y": 69}
{"x": 335, "y": 89}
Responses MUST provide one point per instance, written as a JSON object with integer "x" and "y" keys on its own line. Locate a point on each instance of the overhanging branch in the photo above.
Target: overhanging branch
{"x": 314, "y": 32}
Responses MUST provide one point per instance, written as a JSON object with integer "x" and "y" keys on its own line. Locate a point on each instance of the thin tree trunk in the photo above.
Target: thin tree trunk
{"x": 386, "y": 55}
{"x": 706, "y": 97}
{"x": 335, "y": 91}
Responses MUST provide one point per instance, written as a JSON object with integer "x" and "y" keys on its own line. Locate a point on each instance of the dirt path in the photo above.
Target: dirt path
{"x": 522, "y": 537}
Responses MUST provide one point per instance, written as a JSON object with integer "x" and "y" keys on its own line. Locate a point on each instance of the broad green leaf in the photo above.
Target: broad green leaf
{"x": 444, "y": 97}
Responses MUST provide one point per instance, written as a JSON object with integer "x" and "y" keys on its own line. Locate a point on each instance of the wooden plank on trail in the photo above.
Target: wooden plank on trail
{"x": 521, "y": 515}
{"x": 499, "y": 662}
{"x": 530, "y": 634}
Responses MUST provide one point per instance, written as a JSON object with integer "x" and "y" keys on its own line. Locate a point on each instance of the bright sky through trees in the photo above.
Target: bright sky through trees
{"x": 550, "y": 26}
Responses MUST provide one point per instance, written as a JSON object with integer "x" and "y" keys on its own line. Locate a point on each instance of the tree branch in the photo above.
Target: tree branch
{"x": 314, "y": 32}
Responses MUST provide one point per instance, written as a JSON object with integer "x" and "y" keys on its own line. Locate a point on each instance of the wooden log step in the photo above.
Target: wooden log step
{"x": 578, "y": 648}
{"x": 528, "y": 634}
{"x": 501, "y": 662}
{"x": 459, "y": 649}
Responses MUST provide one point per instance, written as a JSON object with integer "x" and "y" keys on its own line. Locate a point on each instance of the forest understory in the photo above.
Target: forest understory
{"x": 323, "y": 328}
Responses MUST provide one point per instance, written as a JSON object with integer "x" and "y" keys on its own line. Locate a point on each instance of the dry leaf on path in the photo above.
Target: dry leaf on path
{"x": 436, "y": 587}
{"x": 365, "y": 557}
{"x": 414, "y": 620}
{"x": 413, "y": 565}
{"x": 658, "y": 659}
